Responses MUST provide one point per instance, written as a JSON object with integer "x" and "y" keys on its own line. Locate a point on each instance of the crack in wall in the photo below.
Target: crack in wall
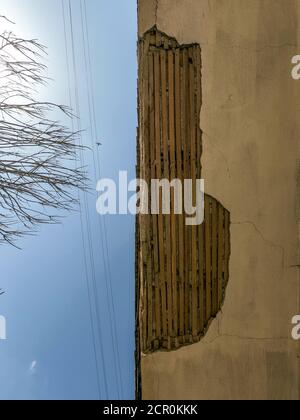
{"x": 267, "y": 241}
{"x": 244, "y": 338}
{"x": 156, "y": 11}
{"x": 221, "y": 334}
{"x": 253, "y": 49}
{"x": 210, "y": 144}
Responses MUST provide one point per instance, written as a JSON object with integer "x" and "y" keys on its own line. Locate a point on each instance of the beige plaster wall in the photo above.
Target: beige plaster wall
{"x": 251, "y": 135}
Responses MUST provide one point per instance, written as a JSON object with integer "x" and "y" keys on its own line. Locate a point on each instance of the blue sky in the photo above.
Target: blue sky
{"x": 48, "y": 353}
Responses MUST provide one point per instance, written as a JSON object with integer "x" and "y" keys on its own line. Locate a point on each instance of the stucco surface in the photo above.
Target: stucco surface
{"x": 251, "y": 137}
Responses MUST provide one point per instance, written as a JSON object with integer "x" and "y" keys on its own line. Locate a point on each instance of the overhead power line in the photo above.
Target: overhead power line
{"x": 84, "y": 214}
{"x": 97, "y": 172}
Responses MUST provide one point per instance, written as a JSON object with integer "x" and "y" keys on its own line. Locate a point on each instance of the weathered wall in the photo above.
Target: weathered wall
{"x": 251, "y": 130}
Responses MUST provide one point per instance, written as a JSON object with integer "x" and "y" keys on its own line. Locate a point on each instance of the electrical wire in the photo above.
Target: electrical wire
{"x": 91, "y": 102}
{"x": 81, "y": 218}
{"x": 104, "y": 237}
{"x": 89, "y": 252}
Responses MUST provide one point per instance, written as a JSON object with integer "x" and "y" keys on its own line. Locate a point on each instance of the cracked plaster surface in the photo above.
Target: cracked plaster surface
{"x": 251, "y": 131}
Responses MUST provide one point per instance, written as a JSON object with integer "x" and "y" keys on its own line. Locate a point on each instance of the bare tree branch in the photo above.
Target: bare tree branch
{"x": 38, "y": 171}
{"x": 5, "y": 18}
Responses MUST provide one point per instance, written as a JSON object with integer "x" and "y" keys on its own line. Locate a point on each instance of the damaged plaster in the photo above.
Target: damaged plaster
{"x": 250, "y": 133}
{"x": 182, "y": 270}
